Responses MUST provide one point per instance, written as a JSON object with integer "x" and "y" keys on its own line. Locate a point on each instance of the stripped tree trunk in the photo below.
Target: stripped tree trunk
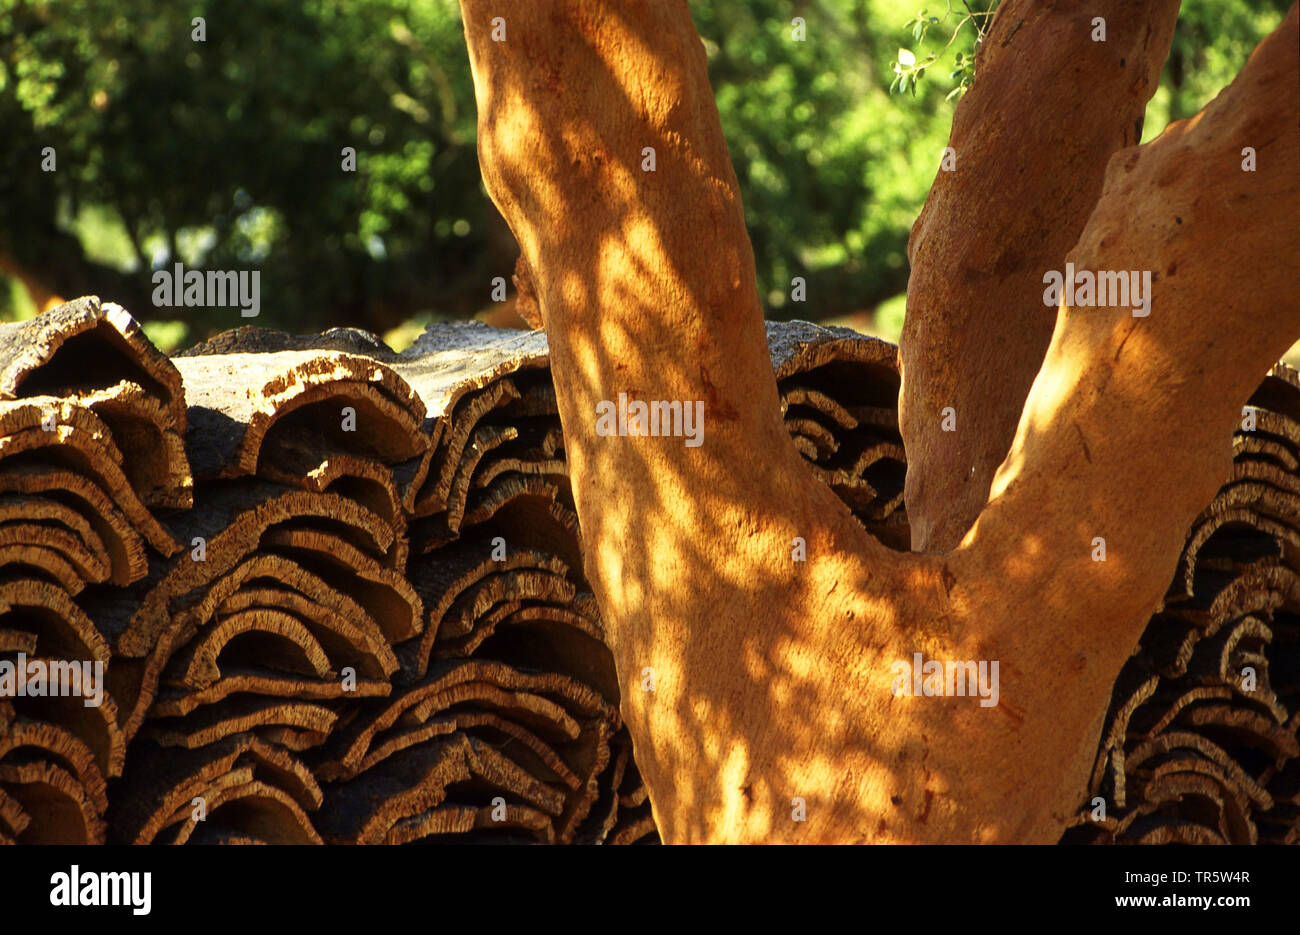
{"x": 282, "y": 682}
{"x": 773, "y": 679}
{"x": 1030, "y": 143}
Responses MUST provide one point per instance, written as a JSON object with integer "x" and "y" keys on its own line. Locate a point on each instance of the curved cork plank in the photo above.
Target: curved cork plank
{"x": 456, "y": 823}
{"x": 1230, "y": 519}
{"x": 347, "y": 634}
{"x": 451, "y": 359}
{"x": 160, "y": 784}
{"x": 99, "y": 354}
{"x": 528, "y": 512}
{"x": 1259, "y": 447}
{"x": 811, "y": 401}
{"x": 1172, "y": 641}
{"x": 280, "y": 642}
{"x": 253, "y": 339}
{"x": 283, "y": 659}
{"x": 307, "y": 723}
{"x": 332, "y": 615}
{"x": 511, "y": 424}
{"x": 158, "y": 467}
{"x": 814, "y": 441}
{"x": 453, "y": 433}
{"x": 14, "y": 819}
{"x": 67, "y": 436}
{"x": 270, "y": 813}
{"x": 1186, "y": 801}
{"x": 65, "y": 815}
{"x": 872, "y": 483}
{"x": 604, "y": 810}
{"x": 1280, "y": 429}
{"x": 634, "y": 823}
{"x": 232, "y": 521}
{"x": 566, "y": 640}
{"x": 461, "y": 586}
{"x": 540, "y": 450}
{"x": 238, "y": 402}
{"x": 800, "y": 346}
{"x": 1246, "y": 728}
{"x": 1131, "y": 690}
{"x": 366, "y": 809}
{"x": 58, "y": 517}
{"x": 525, "y": 618}
{"x": 22, "y": 735}
{"x": 383, "y": 591}
{"x": 544, "y": 757}
{"x": 526, "y": 697}
{"x": 1209, "y": 753}
{"x": 528, "y": 450}
{"x": 94, "y": 726}
{"x": 638, "y": 830}
{"x": 371, "y": 484}
{"x": 53, "y": 550}
{"x": 123, "y": 545}
{"x": 1279, "y": 392}
{"x": 64, "y": 635}
{"x": 1188, "y": 792}
{"x": 177, "y": 702}
{"x": 44, "y": 561}
{"x": 1259, "y": 588}
{"x": 476, "y": 616}
{"x": 458, "y": 370}
{"x": 543, "y": 492}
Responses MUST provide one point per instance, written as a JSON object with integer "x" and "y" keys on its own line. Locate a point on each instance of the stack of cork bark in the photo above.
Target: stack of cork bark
{"x": 337, "y": 596}
{"x": 1200, "y": 743}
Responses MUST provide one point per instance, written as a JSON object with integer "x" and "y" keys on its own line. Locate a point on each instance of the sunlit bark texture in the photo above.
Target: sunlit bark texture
{"x": 772, "y": 677}
{"x": 1028, "y": 150}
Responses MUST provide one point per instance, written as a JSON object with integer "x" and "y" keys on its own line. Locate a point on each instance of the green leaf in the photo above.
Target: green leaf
{"x": 906, "y": 57}
{"x": 953, "y": 93}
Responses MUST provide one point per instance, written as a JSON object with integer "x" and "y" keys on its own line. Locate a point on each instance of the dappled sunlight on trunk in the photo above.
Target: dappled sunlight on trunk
{"x": 772, "y": 677}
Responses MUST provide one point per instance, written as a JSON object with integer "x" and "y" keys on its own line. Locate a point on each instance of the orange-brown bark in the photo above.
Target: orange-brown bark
{"x": 772, "y": 677}
{"x": 1030, "y": 143}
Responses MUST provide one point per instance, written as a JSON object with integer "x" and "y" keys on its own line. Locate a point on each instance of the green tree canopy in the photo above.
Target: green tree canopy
{"x": 227, "y": 153}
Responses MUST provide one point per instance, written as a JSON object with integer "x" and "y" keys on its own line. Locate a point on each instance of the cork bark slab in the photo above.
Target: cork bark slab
{"x": 162, "y": 783}
{"x": 61, "y": 434}
{"x": 240, "y": 402}
{"x": 52, "y": 791}
{"x": 97, "y": 354}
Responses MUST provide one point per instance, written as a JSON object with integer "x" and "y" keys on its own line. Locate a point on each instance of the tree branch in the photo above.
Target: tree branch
{"x": 1031, "y": 139}
{"x": 771, "y": 677}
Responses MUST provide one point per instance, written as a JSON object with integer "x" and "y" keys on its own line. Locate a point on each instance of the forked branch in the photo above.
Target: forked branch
{"x": 773, "y": 679}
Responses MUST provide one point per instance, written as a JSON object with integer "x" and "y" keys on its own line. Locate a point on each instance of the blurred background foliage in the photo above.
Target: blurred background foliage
{"x": 225, "y": 154}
